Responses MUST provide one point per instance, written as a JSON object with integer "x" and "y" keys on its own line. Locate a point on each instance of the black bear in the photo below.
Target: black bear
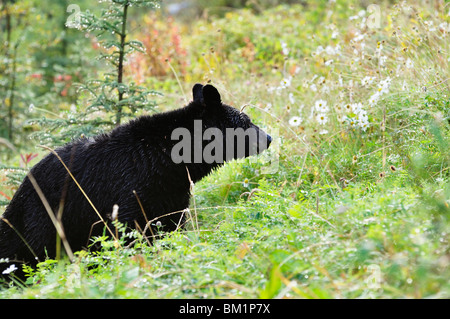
{"x": 143, "y": 166}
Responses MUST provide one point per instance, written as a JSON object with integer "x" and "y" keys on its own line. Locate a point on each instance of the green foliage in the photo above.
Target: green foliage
{"x": 108, "y": 97}
{"x": 13, "y": 66}
{"x": 41, "y": 59}
{"x": 113, "y": 22}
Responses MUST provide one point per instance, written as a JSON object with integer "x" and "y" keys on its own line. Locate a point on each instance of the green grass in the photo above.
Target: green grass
{"x": 349, "y": 213}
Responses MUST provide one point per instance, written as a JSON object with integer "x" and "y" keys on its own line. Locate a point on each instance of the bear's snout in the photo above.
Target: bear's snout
{"x": 269, "y": 140}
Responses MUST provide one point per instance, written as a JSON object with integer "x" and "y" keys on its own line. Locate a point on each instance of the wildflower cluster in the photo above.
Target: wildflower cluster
{"x": 355, "y": 116}
{"x": 321, "y": 110}
{"x": 374, "y": 57}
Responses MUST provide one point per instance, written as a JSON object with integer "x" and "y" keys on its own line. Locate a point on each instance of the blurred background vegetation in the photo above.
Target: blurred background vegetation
{"x": 43, "y": 59}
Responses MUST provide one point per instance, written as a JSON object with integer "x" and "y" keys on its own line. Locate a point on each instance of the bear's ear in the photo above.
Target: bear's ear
{"x": 197, "y": 92}
{"x": 211, "y": 96}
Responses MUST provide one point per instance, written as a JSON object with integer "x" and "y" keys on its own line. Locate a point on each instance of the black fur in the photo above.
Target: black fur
{"x": 133, "y": 157}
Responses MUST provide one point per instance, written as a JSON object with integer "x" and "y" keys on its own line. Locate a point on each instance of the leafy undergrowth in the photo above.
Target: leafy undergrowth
{"x": 252, "y": 236}
{"x": 352, "y": 201}
{"x": 377, "y": 241}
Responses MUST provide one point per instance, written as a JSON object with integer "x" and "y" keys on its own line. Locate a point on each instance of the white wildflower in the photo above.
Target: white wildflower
{"x": 362, "y": 116}
{"x": 367, "y": 80}
{"x": 358, "y": 38}
{"x": 444, "y": 27}
{"x": 364, "y": 125}
{"x": 404, "y": 86}
{"x": 409, "y": 63}
{"x": 347, "y": 107}
{"x": 379, "y": 48}
{"x": 284, "y": 48}
{"x": 319, "y": 50}
{"x": 325, "y": 89}
{"x": 330, "y": 50}
{"x": 337, "y": 49}
{"x": 341, "y": 118}
{"x": 382, "y": 60}
{"x": 291, "y": 98}
{"x": 430, "y": 25}
{"x": 286, "y": 82}
{"x": 73, "y": 108}
{"x": 270, "y": 89}
{"x": 295, "y": 121}
{"x": 9, "y": 270}
{"x": 356, "y": 107}
{"x": 322, "y": 118}
{"x": 321, "y": 106}
{"x": 363, "y": 22}
{"x": 384, "y": 85}
{"x": 374, "y": 98}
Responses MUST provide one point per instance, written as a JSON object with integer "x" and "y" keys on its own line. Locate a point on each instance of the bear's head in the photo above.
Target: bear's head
{"x": 218, "y": 133}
